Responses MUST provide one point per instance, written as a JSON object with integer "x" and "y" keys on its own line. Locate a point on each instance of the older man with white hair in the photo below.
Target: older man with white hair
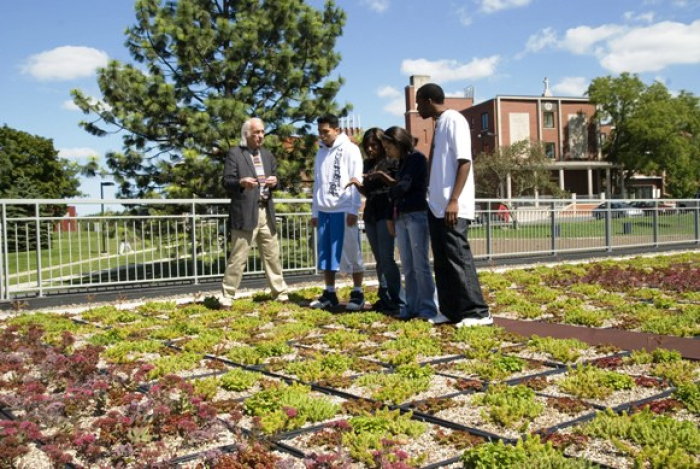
{"x": 250, "y": 175}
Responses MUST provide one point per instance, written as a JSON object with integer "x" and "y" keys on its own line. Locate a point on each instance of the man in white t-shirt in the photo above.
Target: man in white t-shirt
{"x": 451, "y": 206}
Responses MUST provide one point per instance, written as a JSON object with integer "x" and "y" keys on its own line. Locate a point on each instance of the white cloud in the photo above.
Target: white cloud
{"x": 77, "y": 153}
{"x": 571, "y": 86}
{"x": 464, "y": 16}
{"x": 388, "y": 92}
{"x": 70, "y": 105}
{"x": 545, "y": 38}
{"x": 396, "y": 104}
{"x": 631, "y": 16}
{"x": 653, "y": 48}
{"x": 625, "y": 48}
{"x": 451, "y": 70}
{"x": 376, "y": 5}
{"x": 396, "y": 107}
{"x": 65, "y": 63}
{"x": 581, "y": 40}
{"x": 493, "y": 6}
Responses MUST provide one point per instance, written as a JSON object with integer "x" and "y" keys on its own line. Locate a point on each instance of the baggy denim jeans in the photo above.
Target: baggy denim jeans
{"x": 388, "y": 273}
{"x": 456, "y": 279}
{"x": 412, "y": 234}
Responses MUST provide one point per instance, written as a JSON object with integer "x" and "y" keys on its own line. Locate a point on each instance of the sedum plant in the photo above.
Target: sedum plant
{"x": 362, "y": 320}
{"x": 561, "y": 350}
{"x": 494, "y": 368}
{"x": 542, "y": 294}
{"x": 340, "y": 339}
{"x": 509, "y": 406}
{"x": 398, "y": 387}
{"x": 285, "y": 407}
{"x": 689, "y": 395}
{"x": 650, "y": 440}
{"x": 174, "y": 364}
{"x": 238, "y": 379}
{"x": 129, "y": 351}
{"x": 376, "y": 433}
{"x": 590, "y": 382}
{"x": 529, "y": 453}
{"x": 322, "y": 367}
{"x": 481, "y": 341}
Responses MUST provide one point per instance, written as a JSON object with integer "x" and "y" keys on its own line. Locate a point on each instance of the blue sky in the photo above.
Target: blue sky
{"x": 500, "y": 47}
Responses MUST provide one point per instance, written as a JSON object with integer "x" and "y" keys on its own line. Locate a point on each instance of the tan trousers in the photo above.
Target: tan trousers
{"x": 241, "y": 242}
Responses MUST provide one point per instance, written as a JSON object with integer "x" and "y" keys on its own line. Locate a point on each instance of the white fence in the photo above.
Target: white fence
{"x": 169, "y": 241}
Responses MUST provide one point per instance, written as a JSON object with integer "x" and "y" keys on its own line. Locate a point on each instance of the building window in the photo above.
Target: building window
{"x": 548, "y": 120}
{"x": 550, "y": 150}
{"x": 485, "y": 121}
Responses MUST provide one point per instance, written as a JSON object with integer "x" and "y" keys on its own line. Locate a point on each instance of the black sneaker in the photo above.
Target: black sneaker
{"x": 357, "y": 301}
{"x": 326, "y": 300}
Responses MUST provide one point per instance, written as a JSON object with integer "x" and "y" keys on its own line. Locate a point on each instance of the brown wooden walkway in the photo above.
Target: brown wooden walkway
{"x": 625, "y": 340}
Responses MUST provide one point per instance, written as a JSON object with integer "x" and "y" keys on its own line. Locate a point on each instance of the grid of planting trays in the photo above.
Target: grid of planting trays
{"x": 265, "y": 384}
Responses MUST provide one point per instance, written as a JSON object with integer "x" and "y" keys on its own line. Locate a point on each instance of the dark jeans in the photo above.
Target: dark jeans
{"x": 382, "y": 244}
{"x": 458, "y": 288}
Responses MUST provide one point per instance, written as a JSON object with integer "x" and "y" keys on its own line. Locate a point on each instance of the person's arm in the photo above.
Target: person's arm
{"x": 452, "y": 210}
{"x": 460, "y": 142}
{"x": 314, "y": 192}
{"x": 271, "y": 181}
{"x": 382, "y": 176}
{"x": 413, "y": 168}
{"x": 232, "y": 181}
{"x": 358, "y": 185}
{"x": 354, "y": 172}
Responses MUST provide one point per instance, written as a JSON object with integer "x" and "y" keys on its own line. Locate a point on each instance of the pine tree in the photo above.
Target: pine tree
{"x": 202, "y": 67}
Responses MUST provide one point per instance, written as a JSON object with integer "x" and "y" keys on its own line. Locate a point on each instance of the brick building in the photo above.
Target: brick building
{"x": 566, "y": 126}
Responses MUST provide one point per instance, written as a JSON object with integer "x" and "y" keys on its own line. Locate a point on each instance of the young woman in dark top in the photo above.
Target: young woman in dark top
{"x": 408, "y": 195}
{"x": 377, "y": 214}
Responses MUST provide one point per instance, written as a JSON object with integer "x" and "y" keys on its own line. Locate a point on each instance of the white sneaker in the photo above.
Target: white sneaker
{"x": 282, "y": 298}
{"x": 473, "y": 322}
{"x": 225, "y": 301}
{"x": 439, "y": 319}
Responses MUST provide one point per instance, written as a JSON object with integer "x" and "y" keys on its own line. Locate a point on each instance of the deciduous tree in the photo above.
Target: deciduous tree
{"x": 524, "y": 162}
{"x": 31, "y": 169}
{"x": 653, "y": 131}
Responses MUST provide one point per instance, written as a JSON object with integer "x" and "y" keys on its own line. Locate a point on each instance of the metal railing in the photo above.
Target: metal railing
{"x": 170, "y": 241}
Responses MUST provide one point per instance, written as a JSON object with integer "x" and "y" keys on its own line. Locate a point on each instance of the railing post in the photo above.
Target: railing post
{"x": 697, "y": 222}
{"x": 655, "y": 224}
{"x": 37, "y": 225}
{"x": 553, "y": 228}
{"x": 4, "y": 267}
{"x": 489, "y": 239}
{"x": 608, "y": 227}
{"x": 195, "y": 271}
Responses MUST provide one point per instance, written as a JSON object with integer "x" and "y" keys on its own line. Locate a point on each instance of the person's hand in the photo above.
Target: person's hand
{"x": 271, "y": 181}
{"x": 314, "y": 222}
{"x": 354, "y": 182}
{"x": 249, "y": 183}
{"x": 451, "y": 213}
{"x": 391, "y": 227}
{"x": 352, "y": 219}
